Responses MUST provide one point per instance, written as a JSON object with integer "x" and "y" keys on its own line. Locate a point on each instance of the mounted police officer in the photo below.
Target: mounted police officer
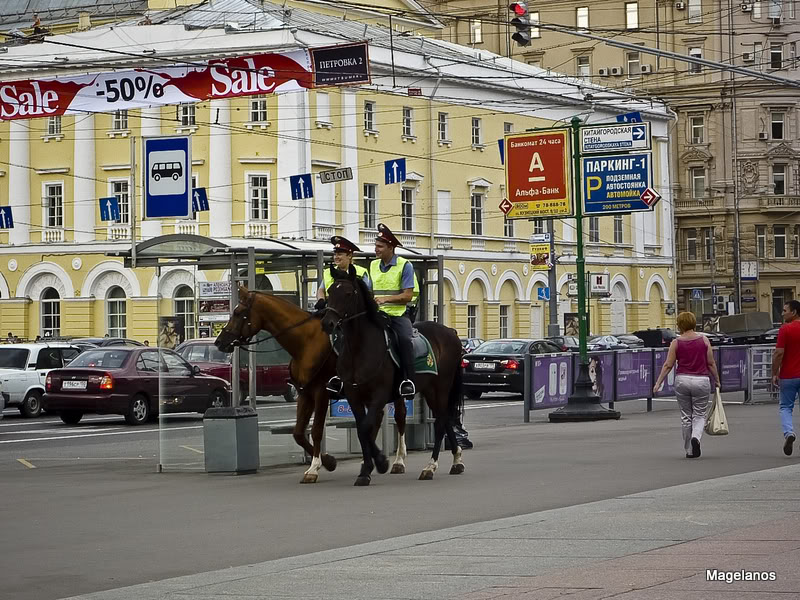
{"x": 393, "y": 286}
{"x": 342, "y": 257}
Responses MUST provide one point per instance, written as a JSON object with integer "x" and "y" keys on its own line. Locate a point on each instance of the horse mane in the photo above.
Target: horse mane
{"x": 278, "y": 298}
{"x": 370, "y": 306}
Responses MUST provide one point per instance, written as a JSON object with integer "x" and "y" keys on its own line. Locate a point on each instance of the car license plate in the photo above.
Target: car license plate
{"x": 483, "y": 366}
{"x": 73, "y": 385}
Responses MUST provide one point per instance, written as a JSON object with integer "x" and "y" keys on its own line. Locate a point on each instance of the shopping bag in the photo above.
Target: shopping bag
{"x": 717, "y": 423}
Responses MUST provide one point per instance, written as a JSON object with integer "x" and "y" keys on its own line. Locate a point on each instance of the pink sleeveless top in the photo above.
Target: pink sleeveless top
{"x": 691, "y": 357}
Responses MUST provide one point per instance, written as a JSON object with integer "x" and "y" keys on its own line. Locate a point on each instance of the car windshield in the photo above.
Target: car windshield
{"x": 105, "y": 359}
{"x": 13, "y": 358}
{"x": 502, "y": 347}
{"x": 204, "y": 353}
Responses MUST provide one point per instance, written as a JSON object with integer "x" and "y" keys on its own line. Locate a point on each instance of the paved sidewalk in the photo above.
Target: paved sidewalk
{"x": 648, "y": 546}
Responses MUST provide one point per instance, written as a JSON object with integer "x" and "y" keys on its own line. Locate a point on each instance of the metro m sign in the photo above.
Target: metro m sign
{"x": 537, "y": 174}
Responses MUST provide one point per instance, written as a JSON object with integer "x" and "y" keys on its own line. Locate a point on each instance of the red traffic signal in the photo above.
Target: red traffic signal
{"x": 518, "y": 8}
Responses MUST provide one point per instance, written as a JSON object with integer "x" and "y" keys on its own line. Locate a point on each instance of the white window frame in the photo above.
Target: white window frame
{"x": 695, "y": 52}
{"x": 694, "y": 14}
{"x": 783, "y": 239}
{"x": 477, "y": 203}
{"x": 323, "y": 100}
{"x": 477, "y": 132}
{"x": 59, "y": 213}
{"x": 472, "y": 321}
{"x": 257, "y": 109}
{"x": 779, "y": 171}
{"x": 761, "y": 241}
{"x": 582, "y": 18}
{"x": 694, "y": 177}
{"x": 475, "y": 31}
{"x": 117, "y": 308}
{"x": 186, "y": 115}
{"x": 697, "y": 129}
{"x": 54, "y": 313}
{"x": 757, "y": 9}
{"x": 119, "y": 120}
{"x": 633, "y": 60}
{"x": 370, "y": 125}
{"x": 54, "y": 126}
{"x": 408, "y": 196}
{"x": 777, "y": 118}
{"x": 536, "y": 31}
{"x": 408, "y": 122}
{"x": 583, "y": 67}
{"x": 508, "y": 227}
{"x": 775, "y": 49}
{"x": 185, "y": 306}
{"x": 691, "y": 245}
{"x": 370, "y": 205}
{"x": 708, "y": 243}
{"x": 594, "y": 230}
{"x": 508, "y": 128}
{"x": 631, "y": 15}
{"x": 250, "y": 198}
{"x": 505, "y": 320}
{"x": 443, "y": 127}
{"x": 123, "y": 198}
{"x": 618, "y": 230}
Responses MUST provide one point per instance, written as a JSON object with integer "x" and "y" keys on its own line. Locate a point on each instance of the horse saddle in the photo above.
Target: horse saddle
{"x": 424, "y": 359}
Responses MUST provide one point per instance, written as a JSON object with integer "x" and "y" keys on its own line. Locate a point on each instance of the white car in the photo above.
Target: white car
{"x": 24, "y": 368}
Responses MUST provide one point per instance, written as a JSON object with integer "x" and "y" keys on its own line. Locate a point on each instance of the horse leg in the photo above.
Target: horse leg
{"x": 458, "y": 465}
{"x": 304, "y": 409}
{"x": 364, "y": 430}
{"x": 399, "y": 464}
{"x": 433, "y": 464}
{"x": 317, "y": 432}
{"x": 381, "y": 462}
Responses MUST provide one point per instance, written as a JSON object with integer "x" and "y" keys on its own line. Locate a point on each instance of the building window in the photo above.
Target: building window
{"x": 535, "y": 31}
{"x": 475, "y": 33}
{"x": 695, "y": 14}
{"x": 582, "y": 17}
{"x": 472, "y": 321}
{"x": 54, "y": 205}
{"x": 51, "y": 313}
{"x": 708, "y": 243}
{"x": 697, "y": 125}
{"x": 691, "y": 244}
{"x": 258, "y": 109}
{"x": 775, "y": 8}
{"x": 508, "y": 128}
{"x": 631, "y": 15}
{"x": 54, "y": 126}
{"x": 777, "y": 121}
{"x": 594, "y": 229}
{"x": 793, "y": 54}
{"x": 116, "y": 310}
{"x": 369, "y": 116}
{"x": 634, "y": 64}
{"x": 323, "y": 107}
{"x": 758, "y": 55}
{"x": 779, "y": 238}
{"x": 757, "y": 9}
{"x": 761, "y": 241}
{"x": 790, "y": 11}
{"x": 444, "y": 127}
{"x": 476, "y": 214}
{"x": 184, "y": 307}
{"x": 408, "y": 129}
{"x": 477, "y": 137}
{"x": 508, "y": 227}
{"x": 779, "y": 180}
{"x": 698, "y": 181}
{"x": 504, "y": 320}
{"x": 776, "y": 55}
{"x": 119, "y": 189}
{"x": 259, "y": 197}
{"x": 119, "y": 122}
{"x": 583, "y": 67}
{"x": 370, "y": 205}
{"x": 407, "y": 209}
{"x": 618, "y": 229}
{"x": 796, "y": 241}
{"x": 695, "y": 53}
{"x": 186, "y": 115}
{"x": 538, "y": 226}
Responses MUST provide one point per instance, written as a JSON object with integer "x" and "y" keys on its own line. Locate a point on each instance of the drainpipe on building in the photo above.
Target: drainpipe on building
{"x": 737, "y": 258}
{"x": 432, "y": 180}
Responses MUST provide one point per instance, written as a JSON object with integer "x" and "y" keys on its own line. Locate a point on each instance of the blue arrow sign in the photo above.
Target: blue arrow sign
{"x": 6, "y": 218}
{"x": 631, "y": 117}
{"x": 543, "y": 293}
{"x": 301, "y": 186}
{"x": 168, "y": 177}
{"x": 109, "y": 209}
{"x": 615, "y": 183}
{"x": 638, "y": 132}
{"x": 395, "y": 170}
{"x": 199, "y": 199}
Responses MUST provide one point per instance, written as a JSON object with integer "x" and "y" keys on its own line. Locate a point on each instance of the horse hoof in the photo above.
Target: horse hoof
{"x": 426, "y": 475}
{"x": 362, "y": 481}
{"x": 328, "y": 461}
{"x": 382, "y": 464}
{"x": 398, "y": 469}
{"x": 457, "y": 469}
{"x": 309, "y": 478}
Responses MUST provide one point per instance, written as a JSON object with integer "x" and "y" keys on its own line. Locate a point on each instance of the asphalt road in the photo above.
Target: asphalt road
{"x": 93, "y": 514}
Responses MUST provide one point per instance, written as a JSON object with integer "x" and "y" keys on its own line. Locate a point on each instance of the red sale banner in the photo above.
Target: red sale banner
{"x": 137, "y": 88}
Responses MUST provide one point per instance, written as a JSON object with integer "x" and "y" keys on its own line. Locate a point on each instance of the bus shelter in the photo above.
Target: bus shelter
{"x": 290, "y": 268}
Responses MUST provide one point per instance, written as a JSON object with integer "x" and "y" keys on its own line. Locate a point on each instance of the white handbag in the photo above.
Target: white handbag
{"x": 717, "y": 423}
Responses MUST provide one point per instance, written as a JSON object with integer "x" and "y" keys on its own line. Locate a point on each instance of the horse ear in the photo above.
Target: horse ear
{"x": 243, "y": 291}
{"x": 351, "y": 271}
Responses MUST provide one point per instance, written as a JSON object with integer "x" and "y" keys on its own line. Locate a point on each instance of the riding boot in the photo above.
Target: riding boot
{"x": 335, "y": 385}
{"x": 407, "y": 387}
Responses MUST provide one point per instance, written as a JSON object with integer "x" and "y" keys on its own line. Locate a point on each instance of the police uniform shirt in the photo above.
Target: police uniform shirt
{"x": 407, "y": 281}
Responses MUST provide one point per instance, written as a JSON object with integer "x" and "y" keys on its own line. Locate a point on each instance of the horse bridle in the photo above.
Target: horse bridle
{"x": 243, "y": 342}
{"x": 344, "y": 318}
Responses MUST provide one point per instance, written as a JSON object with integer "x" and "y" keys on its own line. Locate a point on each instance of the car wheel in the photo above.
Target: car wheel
{"x": 473, "y": 394}
{"x": 71, "y": 417}
{"x": 291, "y": 394}
{"x": 32, "y": 405}
{"x": 138, "y": 410}
{"x": 217, "y": 399}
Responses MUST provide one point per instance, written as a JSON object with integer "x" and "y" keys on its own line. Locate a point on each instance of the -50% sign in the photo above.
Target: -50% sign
{"x": 128, "y": 88}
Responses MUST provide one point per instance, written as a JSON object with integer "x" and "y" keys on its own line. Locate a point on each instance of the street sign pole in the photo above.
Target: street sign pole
{"x": 553, "y": 328}
{"x": 583, "y": 404}
{"x": 132, "y": 202}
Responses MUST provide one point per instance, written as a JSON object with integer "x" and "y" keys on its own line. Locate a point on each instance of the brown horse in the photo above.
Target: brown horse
{"x": 313, "y": 364}
{"x": 370, "y": 379}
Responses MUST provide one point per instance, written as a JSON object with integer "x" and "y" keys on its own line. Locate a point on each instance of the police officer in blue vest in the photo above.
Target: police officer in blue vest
{"x": 393, "y": 286}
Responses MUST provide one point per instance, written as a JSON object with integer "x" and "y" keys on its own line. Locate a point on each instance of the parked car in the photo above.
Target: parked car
{"x": 272, "y": 365}
{"x": 23, "y": 369}
{"x": 469, "y": 344}
{"x": 717, "y": 339}
{"x": 102, "y": 342}
{"x": 129, "y": 381}
{"x": 607, "y": 342}
{"x": 497, "y": 365}
{"x": 769, "y": 337}
{"x": 570, "y": 343}
{"x": 631, "y": 341}
{"x": 656, "y": 338}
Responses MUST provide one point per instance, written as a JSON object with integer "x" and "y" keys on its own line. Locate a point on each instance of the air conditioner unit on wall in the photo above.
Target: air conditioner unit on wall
{"x": 647, "y": 68}
{"x": 721, "y": 302}
{"x": 747, "y": 57}
{"x": 763, "y": 135}
{"x": 617, "y": 71}
{"x": 747, "y": 8}
{"x": 680, "y": 5}
{"x": 603, "y": 72}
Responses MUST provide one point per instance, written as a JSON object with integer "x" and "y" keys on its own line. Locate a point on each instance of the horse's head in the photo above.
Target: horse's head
{"x": 344, "y": 299}
{"x": 243, "y": 325}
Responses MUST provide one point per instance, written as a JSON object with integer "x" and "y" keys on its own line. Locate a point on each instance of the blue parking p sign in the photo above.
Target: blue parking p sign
{"x": 616, "y": 183}
{"x": 167, "y": 177}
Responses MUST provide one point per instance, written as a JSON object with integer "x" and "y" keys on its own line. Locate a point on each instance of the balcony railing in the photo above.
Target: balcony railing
{"x": 444, "y": 242}
{"x": 187, "y": 228}
{"x": 478, "y": 244}
{"x": 324, "y": 232}
{"x": 118, "y": 232}
{"x": 510, "y": 246}
{"x": 52, "y": 234}
{"x": 701, "y": 204}
{"x": 408, "y": 240}
{"x": 792, "y": 202}
{"x": 256, "y": 229}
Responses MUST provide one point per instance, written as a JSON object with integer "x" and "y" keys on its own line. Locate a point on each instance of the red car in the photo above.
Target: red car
{"x": 130, "y": 381}
{"x": 272, "y": 366}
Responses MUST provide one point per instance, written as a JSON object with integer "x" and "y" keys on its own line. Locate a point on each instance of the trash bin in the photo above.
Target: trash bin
{"x": 230, "y": 439}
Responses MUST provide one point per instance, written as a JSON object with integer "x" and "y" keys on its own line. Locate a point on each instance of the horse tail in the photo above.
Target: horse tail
{"x": 455, "y": 401}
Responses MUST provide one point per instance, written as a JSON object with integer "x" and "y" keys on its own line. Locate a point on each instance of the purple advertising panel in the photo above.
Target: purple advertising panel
{"x": 733, "y": 368}
{"x": 601, "y": 372}
{"x": 634, "y": 374}
{"x": 659, "y": 358}
{"x": 551, "y": 380}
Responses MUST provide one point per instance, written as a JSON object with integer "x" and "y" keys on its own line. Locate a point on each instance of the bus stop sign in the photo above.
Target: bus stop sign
{"x": 167, "y": 177}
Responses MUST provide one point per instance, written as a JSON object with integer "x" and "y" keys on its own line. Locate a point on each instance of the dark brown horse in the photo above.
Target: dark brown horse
{"x": 370, "y": 377}
{"x": 313, "y": 364}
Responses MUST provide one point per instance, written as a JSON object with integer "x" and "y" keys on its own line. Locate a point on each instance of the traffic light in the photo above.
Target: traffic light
{"x": 522, "y": 22}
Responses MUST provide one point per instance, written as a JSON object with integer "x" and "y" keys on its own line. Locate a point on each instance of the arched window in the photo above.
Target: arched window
{"x": 51, "y": 313}
{"x": 117, "y": 311}
{"x": 184, "y": 307}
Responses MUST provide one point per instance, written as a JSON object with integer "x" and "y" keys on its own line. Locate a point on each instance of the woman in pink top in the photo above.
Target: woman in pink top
{"x": 696, "y": 365}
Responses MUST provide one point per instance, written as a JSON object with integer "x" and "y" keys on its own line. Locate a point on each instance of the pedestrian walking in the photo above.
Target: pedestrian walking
{"x": 786, "y": 369}
{"x": 693, "y": 377}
